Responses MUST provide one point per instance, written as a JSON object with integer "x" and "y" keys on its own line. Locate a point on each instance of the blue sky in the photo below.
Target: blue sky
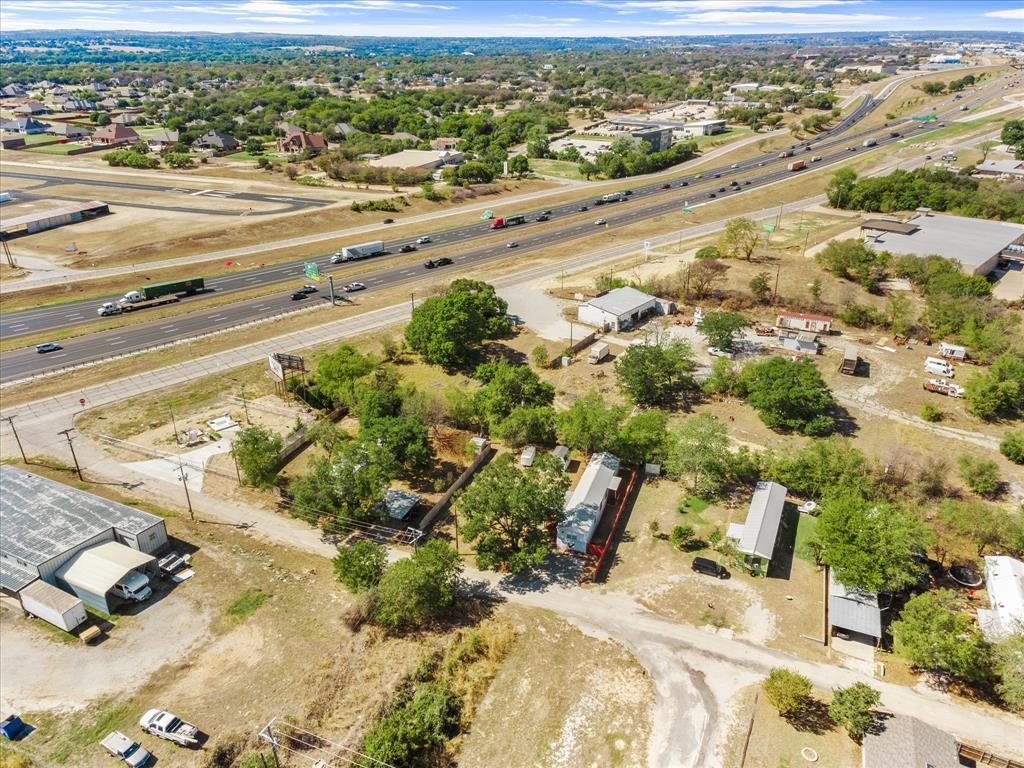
{"x": 505, "y": 18}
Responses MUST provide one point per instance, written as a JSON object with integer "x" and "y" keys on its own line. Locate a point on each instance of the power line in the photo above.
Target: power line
{"x": 351, "y": 757}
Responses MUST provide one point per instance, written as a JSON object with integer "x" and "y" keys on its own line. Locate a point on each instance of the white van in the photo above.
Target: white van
{"x": 133, "y": 586}
{"x": 938, "y": 366}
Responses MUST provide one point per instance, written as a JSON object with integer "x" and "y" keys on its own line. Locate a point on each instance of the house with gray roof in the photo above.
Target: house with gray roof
{"x": 853, "y": 612}
{"x": 585, "y": 505}
{"x": 755, "y": 538}
{"x": 217, "y": 140}
{"x": 26, "y": 125}
{"x": 906, "y": 742}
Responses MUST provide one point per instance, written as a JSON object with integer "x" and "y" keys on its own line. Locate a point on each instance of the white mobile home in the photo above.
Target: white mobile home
{"x": 585, "y": 505}
{"x": 755, "y": 538}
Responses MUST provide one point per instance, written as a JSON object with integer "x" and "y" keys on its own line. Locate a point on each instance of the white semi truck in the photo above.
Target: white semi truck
{"x": 363, "y": 251}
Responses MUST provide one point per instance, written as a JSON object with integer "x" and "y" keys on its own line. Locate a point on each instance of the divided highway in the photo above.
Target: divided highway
{"x": 646, "y": 202}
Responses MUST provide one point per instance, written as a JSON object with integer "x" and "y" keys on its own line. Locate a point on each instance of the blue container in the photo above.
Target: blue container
{"x": 12, "y": 727}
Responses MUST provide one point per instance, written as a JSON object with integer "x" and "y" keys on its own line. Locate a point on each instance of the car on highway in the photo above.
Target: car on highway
{"x": 816, "y": 159}
{"x": 712, "y": 194}
{"x": 422, "y": 240}
{"x": 388, "y": 221}
{"x": 543, "y": 217}
{"x": 299, "y": 295}
{"x": 434, "y": 263}
{"x": 721, "y": 189}
{"x": 851, "y": 149}
{"x": 734, "y": 183}
{"x": 684, "y": 184}
{"x": 600, "y": 222}
{"x": 628, "y": 192}
{"x": 746, "y": 183}
{"x": 309, "y": 288}
{"x": 407, "y": 248}
{"x": 718, "y": 175}
{"x": 353, "y": 287}
{"x": 512, "y": 244}
{"x": 734, "y": 165}
{"x": 47, "y": 347}
{"x": 666, "y": 186}
{"x": 545, "y": 213}
{"x": 583, "y": 208}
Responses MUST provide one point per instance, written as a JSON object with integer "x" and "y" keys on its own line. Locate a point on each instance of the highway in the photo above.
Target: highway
{"x": 566, "y": 225}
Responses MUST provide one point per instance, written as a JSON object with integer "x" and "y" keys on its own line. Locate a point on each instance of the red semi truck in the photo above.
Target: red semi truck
{"x": 797, "y": 165}
{"x": 507, "y": 221}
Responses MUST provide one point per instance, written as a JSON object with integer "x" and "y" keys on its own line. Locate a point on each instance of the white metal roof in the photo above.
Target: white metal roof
{"x": 99, "y": 568}
{"x": 763, "y": 517}
{"x": 622, "y": 301}
{"x": 50, "y": 596}
{"x": 584, "y": 506}
{"x": 853, "y": 609}
{"x": 971, "y": 242}
{"x": 1004, "y": 582}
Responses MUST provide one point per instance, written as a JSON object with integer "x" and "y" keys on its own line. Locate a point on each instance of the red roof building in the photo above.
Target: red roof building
{"x": 297, "y": 140}
{"x": 115, "y": 133}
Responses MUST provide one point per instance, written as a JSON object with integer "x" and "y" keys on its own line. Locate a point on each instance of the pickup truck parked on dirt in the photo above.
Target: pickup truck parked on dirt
{"x": 123, "y": 748}
{"x": 164, "y": 725}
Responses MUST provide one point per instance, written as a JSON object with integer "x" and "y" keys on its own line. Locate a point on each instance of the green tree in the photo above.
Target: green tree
{"x": 851, "y": 260}
{"x": 788, "y": 396}
{"x": 590, "y": 424}
{"x": 519, "y": 165}
{"x": 1000, "y": 392}
{"x": 986, "y": 527}
{"x": 841, "y": 187}
{"x": 720, "y": 328}
{"x": 656, "y": 376}
{"x": 787, "y": 691}
{"x": 348, "y": 485}
{"x": 705, "y": 274}
{"x": 254, "y": 146}
{"x": 403, "y": 439}
{"x": 898, "y": 313}
{"x": 508, "y": 512}
{"x": 698, "y": 449}
{"x": 761, "y": 287}
{"x": 933, "y": 634}
{"x": 448, "y": 329}
{"x": 417, "y": 589}
{"x": 1012, "y": 445}
{"x": 854, "y": 708}
{"x": 257, "y": 451}
{"x": 823, "y": 468}
{"x": 530, "y": 424}
{"x": 642, "y": 439}
{"x": 178, "y": 160}
{"x": 1008, "y": 663}
{"x": 359, "y": 566}
{"x": 871, "y": 545}
{"x": 338, "y": 372}
{"x": 738, "y": 239}
{"x": 981, "y": 475}
{"x": 507, "y": 387}
{"x": 420, "y": 727}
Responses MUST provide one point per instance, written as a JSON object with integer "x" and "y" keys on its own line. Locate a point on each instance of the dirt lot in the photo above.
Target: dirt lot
{"x": 578, "y": 702}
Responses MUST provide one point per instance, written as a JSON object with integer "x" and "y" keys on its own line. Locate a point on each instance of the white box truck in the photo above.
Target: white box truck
{"x": 938, "y": 366}
{"x": 56, "y": 606}
{"x": 598, "y": 352}
{"x": 362, "y": 251}
{"x": 133, "y": 586}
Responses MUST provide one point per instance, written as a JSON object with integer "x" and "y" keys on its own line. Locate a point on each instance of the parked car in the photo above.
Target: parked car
{"x": 299, "y": 295}
{"x": 433, "y": 263}
{"x": 48, "y": 347}
{"x": 710, "y": 567}
{"x": 422, "y": 240}
{"x": 353, "y": 287}
{"x": 164, "y": 725}
{"x": 123, "y": 748}
{"x": 512, "y": 244}
{"x": 716, "y": 352}
{"x": 388, "y": 221}
{"x": 600, "y": 222}
{"x": 407, "y": 248}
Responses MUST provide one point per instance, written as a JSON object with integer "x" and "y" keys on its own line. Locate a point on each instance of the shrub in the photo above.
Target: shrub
{"x": 360, "y": 566}
{"x": 931, "y": 413}
{"x": 981, "y": 475}
{"x": 708, "y": 252}
{"x": 1012, "y": 446}
{"x": 787, "y": 691}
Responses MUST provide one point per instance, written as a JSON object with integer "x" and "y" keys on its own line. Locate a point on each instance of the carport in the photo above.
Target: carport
{"x": 92, "y": 573}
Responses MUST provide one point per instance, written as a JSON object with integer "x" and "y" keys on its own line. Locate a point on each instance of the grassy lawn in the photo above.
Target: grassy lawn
{"x": 56, "y": 149}
{"x": 805, "y": 529}
{"x": 563, "y": 169}
{"x": 247, "y": 604}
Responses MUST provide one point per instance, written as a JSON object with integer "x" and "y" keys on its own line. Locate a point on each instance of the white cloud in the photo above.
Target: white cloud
{"x": 56, "y": 5}
{"x": 273, "y": 19}
{"x": 749, "y": 18}
{"x": 1009, "y": 13}
{"x": 676, "y": 6}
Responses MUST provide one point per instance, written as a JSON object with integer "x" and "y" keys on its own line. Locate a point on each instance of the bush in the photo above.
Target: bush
{"x": 981, "y": 475}
{"x": 931, "y": 413}
{"x": 860, "y": 315}
{"x": 708, "y": 252}
{"x": 257, "y": 451}
{"x": 1012, "y": 446}
{"x": 682, "y": 537}
{"x": 540, "y": 356}
{"x": 360, "y": 566}
{"x": 416, "y": 729}
{"x": 787, "y": 691}
{"x": 415, "y": 590}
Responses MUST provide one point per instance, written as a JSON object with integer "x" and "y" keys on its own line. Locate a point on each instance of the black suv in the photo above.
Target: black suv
{"x": 710, "y": 567}
{"x": 442, "y": 262}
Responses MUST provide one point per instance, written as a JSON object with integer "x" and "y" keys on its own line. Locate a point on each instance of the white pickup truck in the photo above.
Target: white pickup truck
{"x": 164, "y": 725}
{"x": 123, "y": 748}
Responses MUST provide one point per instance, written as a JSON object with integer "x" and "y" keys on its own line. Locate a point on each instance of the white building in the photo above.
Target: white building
{"x": 801, "y": 321}
{"x": 418, "y": 159}
{"x": 619, "y": 309}
{"x": 47, "y": 526}
{"x": 755, "y": 538}
{"x": 1004, "y": 582}
{"x": 585, "y": 505}
{"x": 803, "y": 342}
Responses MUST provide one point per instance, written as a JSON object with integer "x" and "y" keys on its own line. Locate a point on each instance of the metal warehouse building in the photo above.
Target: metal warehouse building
{"x": 49, "y": 218}
{"x": 46, "y": 525}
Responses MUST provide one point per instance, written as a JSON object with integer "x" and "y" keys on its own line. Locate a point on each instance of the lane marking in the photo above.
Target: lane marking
{"x": 200, "y": 192}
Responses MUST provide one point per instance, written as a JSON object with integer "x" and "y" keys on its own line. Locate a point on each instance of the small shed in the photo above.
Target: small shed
{"x": 803, "y": 342}
{"x": 399, "y": 503}
{"x": 952, "y": 351}
{"x": 93, "y": 572}
{"x": 561, "y": 454}
{"x": 850, "y": 360}
{"x": 53, "y": 605}
{"x": 755, "y": 538}
{"x": 854, "y": 612}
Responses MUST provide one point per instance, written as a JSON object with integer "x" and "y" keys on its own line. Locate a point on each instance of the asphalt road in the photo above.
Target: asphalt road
{"x": 285, "y": 204}
{"x": 86, "y": 348}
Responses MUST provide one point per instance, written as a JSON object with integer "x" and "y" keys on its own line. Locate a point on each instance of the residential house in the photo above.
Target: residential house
{"x": 126, "y": 118}
{"x": 344, "y": 129}
{"x": 800, "y": 321}
{"x": 68, "y": 131}
{"x": 107, "y": 103}
{"x": 1004, "y": 583}
{"x": 114, "y": 134}
{"x": 402, "y": 136}
{"x": 26, "y": 125}
{"x": 445, "y": 143}
{"x": 853, "y": 613}
{"x": 216, "y": 140}
{"x": 755, "y": 538}
{"x": 585, "y": 505}
{"x": 298, "y": 140}
{"x": 31, "y": 107}
{"x": 162, "y": 139}
{"x": 899, "y": 741}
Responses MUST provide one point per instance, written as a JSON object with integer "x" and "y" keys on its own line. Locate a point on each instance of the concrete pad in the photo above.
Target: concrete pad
{"x": 539, "y": 310}
{"x": 1010, "y": 286}
{"x": 194, "y": 462}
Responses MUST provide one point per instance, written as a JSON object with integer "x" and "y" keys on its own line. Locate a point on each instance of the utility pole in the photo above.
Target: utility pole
{"x": 10, "y": 420}
{"x": 778, "y": 218}
{"x": 775, "y": 293}
{"x": 184, "y": 481}
{"x": 237, "y": 473}
{"x": 330, "y": 279}
{"x": 174, "y": 425}
{"x": 412, "y": 301}
{"x": 245, "y": 407}
{"x": 71, "y": 445}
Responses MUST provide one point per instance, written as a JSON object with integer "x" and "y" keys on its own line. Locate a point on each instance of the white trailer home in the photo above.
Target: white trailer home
{"x": 54, "y": 605}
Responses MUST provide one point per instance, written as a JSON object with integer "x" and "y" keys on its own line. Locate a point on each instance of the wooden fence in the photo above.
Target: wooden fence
{"x": 431, "y": 517}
